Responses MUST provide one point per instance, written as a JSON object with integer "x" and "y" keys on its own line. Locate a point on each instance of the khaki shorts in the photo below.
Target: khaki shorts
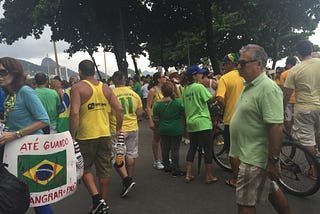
{"x": 306, "y": 127}
{"x": 253, "y": 185}
{"x": 131, "y": 142}
{"x": 98, "y": 152}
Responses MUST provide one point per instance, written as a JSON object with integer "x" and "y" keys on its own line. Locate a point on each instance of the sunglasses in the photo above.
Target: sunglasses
{"x": 243, "y": 63}
{"x": 163, "y": 76}
{"x": 3, "y": 72}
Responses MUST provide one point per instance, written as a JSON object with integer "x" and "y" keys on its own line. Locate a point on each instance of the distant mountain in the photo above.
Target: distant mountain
{"x": 145, "y": 73}
{"x": 47, "y": 65}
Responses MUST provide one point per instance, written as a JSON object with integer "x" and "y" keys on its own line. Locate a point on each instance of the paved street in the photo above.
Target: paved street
{"x": 159, "y": 193}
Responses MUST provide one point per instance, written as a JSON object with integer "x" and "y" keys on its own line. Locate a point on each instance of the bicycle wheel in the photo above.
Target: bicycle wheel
{"x": 221, "y": 152}
{"x": 300, "y": 170}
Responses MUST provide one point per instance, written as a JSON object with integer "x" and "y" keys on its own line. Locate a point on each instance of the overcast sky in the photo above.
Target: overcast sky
{"x": 35, "y": 50}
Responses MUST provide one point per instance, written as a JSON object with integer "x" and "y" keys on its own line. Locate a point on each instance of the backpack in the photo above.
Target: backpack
{"x": 14, "y": 194}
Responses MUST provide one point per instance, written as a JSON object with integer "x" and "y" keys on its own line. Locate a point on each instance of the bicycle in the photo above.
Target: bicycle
{"x": 300, "y": 169}
{"x": 220, "y": 149}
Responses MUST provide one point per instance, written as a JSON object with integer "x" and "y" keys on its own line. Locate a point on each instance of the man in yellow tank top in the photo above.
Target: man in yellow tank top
{"x": 91, "y": 103}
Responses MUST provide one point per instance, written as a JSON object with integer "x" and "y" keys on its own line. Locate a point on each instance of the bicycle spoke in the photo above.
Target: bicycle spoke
{"x": 221, "y": 152}
{"x": 298, "y": 177}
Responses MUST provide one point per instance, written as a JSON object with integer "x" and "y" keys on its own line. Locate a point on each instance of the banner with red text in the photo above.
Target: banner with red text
{"x": 47, "y": 163}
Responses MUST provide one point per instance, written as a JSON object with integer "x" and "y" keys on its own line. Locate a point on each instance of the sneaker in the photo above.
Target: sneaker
{"x": 102, "y": 208}
{"x": 126, "y": 188}
{"x": 158, "y": 165}
{"x": 186, "y": 141}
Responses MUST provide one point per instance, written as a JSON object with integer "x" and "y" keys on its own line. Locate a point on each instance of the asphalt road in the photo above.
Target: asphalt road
{"x": 159, "y": 193}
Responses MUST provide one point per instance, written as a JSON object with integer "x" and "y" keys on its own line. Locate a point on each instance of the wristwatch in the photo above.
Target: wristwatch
{"x": 19, "y": 133}
{"x": 274, "y": 160}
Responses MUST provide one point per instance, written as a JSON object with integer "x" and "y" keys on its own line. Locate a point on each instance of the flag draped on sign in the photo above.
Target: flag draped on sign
{"x": 46, "y": 163}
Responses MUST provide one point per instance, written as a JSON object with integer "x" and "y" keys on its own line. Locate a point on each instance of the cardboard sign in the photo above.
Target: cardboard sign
{"x": 47, "y": 163}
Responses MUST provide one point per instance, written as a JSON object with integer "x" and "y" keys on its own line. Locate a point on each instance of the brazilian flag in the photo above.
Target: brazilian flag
{"x": 43, "y": 172}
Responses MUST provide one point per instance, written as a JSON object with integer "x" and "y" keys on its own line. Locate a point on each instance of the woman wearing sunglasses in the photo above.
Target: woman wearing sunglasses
{"x": 24, "y": 114}
{"x": 154, "y": 95}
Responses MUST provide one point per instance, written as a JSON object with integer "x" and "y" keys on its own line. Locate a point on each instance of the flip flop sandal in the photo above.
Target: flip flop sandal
{"x": 230, "y": 183}
{"x": 188, "y": 178}
{"x": 212, "y": 180}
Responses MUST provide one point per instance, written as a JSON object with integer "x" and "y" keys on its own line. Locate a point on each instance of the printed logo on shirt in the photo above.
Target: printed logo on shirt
{"x": 96, "y": 106}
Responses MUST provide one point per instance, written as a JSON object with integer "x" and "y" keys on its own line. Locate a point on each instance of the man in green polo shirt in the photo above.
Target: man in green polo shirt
{"x": 255, "y": 131}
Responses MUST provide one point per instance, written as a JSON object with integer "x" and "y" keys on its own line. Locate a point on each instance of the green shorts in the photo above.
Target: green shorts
{"x": 98, "y": 152}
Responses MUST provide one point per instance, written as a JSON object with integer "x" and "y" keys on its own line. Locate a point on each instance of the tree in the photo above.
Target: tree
{"x": 275, "y": 25}
{"x": 85, "y": 25}
{"x": 173, "y": 32}
{"x": 174, "y": 29}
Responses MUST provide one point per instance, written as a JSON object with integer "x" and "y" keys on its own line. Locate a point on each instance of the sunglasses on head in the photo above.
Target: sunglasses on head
{"x": 3, "y": 72}
{"x": 243, "y": 63}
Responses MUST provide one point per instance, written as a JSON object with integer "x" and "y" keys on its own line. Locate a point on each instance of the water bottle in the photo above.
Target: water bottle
{"x": 2, "y": 128}
{"x": 120, "y": 151}
{"x": 79, "y": 161}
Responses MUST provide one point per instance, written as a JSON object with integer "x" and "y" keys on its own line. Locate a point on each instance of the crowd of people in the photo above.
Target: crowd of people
{"x": 178, "y": 108}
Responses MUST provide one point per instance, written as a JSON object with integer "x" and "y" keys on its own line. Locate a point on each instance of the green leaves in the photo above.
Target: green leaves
{"x": 173, "y": 32}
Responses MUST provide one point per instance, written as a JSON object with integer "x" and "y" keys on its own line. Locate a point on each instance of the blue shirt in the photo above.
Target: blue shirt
{"x": 2, "y": 98}
{"x": 28, "y": 109}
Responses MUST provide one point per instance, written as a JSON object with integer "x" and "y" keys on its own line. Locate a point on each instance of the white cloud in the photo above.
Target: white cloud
{"x": 316, "y": 37}
{"x": 34, "y": 51}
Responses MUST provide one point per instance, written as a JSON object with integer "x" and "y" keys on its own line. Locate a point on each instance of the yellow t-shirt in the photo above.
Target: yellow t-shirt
{"x": 277, "y": 81}
{"x": 94, "y": 115}
{"x": 180, "y": 89}
{"x": 283, "y": 78}
{"x": 229, "y": 88}
{"x": 130, "y": 102}
{"x": 304, "y": 79}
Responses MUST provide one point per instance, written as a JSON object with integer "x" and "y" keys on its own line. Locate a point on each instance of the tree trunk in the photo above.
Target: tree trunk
{"x": 211, "y": 49}
{"x": 136, "y": 70}
{"x": 119, "y": 44}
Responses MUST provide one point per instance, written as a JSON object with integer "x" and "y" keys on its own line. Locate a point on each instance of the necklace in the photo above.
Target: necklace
{"x": 9, "y": 104}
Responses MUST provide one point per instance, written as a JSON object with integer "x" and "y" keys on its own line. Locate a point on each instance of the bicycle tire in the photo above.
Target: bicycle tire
{"x": 220, "y": 153}
{"x": 295, "y": 162}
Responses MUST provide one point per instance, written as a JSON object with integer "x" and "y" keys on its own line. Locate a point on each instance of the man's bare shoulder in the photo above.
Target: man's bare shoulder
{"x": 80, "y": 86}
{"x": 106, "y": 90}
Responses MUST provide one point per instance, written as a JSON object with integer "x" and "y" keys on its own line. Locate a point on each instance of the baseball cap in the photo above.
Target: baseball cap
{"x": 231, "y": 57}
{"x": 194, "y": 69}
